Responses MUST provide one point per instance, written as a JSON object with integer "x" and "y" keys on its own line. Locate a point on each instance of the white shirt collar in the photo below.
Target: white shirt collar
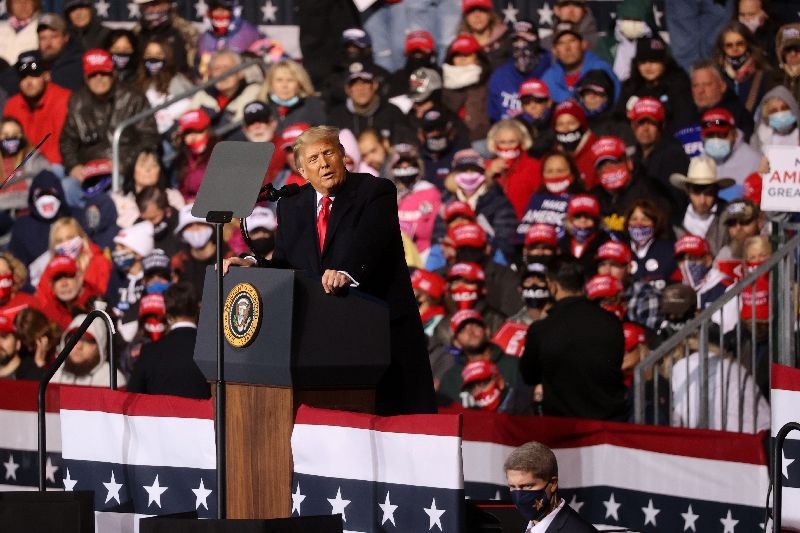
{"x": 545, "y": 522}
{"x": 319, "y": 200}
{"x": 183, "y": 324}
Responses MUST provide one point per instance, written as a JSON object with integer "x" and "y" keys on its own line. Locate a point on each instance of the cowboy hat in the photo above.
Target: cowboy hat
{"x": 702, "y": 171}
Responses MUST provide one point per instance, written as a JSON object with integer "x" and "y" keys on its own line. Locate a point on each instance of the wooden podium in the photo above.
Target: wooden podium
{"x": 287, "y": 343}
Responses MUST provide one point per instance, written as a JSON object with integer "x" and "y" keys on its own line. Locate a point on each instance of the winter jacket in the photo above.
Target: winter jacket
{"x": 751, "y": 89}
{"x": 587, "y": 27}
{"x": 47, "y": 116}
{"x": 554, "y": 77}
{"x": 92, "y": 36}
{"x": 99, "y": 375}
{"x": 179, "y": 34}
{"x": 566, "y": 243}
{"x": 717, "y": 233}
{"x": 67, "y": 69}
{"x": 387, "y": 119}
{"x": 742, "y": 117}
{"x": 613, "y": 206}
{"x": 99, "y": 220}
{"x": 15, "y": 42}
{"x": 91, "y": 121}
{"x": 520, "y": 181}
{"x": 451, "y": 380}
{"x": 742, "y": 161}
{"x": 469, "y": 104}
{"x": 666, "y": 158}
{"x": 95, "y": 276}
{"x": 504, "y": 86}
{"x": 417, "y": 210}
{"x": 223, "y": 119}
{"x": 15, "y": 196}
{"x": 310, "y": 110}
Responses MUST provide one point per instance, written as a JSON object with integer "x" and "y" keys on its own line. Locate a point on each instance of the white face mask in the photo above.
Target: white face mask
{"x": 70, "y": 248}
{"x": 459, "y": 77}
{"x": 197, "y": 238}
{"x": 47, "y": 206}
{"x": 632, "y": 29}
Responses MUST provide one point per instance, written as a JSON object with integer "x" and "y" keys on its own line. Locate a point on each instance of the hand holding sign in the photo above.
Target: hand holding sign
{"x": 781, "y": 184}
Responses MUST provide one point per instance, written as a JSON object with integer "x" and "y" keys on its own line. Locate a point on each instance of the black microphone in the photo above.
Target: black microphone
{"x": 269, "y": 193}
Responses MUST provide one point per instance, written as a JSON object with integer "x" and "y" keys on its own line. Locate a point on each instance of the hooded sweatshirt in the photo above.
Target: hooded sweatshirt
{"x": 99, "y": 375}
{"x": 764, "y": 134}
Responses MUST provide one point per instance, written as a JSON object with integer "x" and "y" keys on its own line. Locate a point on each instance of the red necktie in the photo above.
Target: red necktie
{"x": 322, "y": 220}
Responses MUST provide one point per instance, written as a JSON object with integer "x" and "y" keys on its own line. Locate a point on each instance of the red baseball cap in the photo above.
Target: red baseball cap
{"x": 691, "y": 245}
{"x": 717, "y": 120}
{"x": 467, "y": 235}
{"x": 464, "y": 44}
{"x": 646, "y": 108}
{"x": 466, "y": 271}
{"x": 420, "y": 40}
{"x": 97, "y": 167}
{"x": 534, "y": 87}
{"x": 634, "y": 335}
{"x": 469, "y": 5}
{"x": 583, "y": 204}
{"x": 6, "y": 324}
{"x": 194, "y": 120}
{"x": 619, "y": 252}
{"x": 97, "y": 60}
{"x": 608, "y": 148}
{"x": 152, "y": 304}
{"x": 571, "y": 107}
{"x": 458, "y": 208}
{"x": 541, "y": 233}
{"x": 62, "y": 265}
{"x": 463, "y": 316}
{"x": 428, "y": 282}
{"x": 603, "y": 286}
{"x": 291, "y": 133}
{"x": 479, "y": 370}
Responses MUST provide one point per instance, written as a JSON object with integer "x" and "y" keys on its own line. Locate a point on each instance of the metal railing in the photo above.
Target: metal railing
{"x": 713, "y": 377}
{"x": 45, "y": 381}
{"x": 116, "y": 181}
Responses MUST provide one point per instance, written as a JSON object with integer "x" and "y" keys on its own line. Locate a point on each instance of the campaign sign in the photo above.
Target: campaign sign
{"x": 781, "y": 185}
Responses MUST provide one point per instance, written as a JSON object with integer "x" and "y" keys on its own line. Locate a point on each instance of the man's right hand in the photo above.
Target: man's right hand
{"x": 236, "y": 261}
{"x": 77, "y": 172}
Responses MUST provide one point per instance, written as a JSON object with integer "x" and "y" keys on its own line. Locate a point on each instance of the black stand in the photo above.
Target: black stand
{"x": 777, "y": 474}
{"x": 230, "y": 187}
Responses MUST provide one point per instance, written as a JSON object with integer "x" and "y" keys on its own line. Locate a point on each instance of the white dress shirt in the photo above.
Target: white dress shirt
{"x": 544, "y": 523}
{"x": 353, "y": 282}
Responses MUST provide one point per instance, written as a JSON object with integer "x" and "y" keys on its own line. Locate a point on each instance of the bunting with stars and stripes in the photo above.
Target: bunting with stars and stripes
{"x": 646, "y": 478}
{"x": 785, "y": 402}
{"x": 399, "y": 473}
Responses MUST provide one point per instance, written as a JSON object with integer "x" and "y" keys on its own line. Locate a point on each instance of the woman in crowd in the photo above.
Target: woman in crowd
{"x": 122, "y": 45}
{"x": 517, "y": 173}
{"x": 13, "y": 276}
{"x": 68, "y": 238}
{"x": 159, "y": 80}
{"x": 290, "y": 94}
{"x": 653, "y": 256}
{"x": 777, "y": 120}
{"x": 195, "y": 144}
{"x": 147, "y": 171}
{"x": 13, "y": 148}
{"x": 746, "y": 70}
{"x": 465, "y": 74}
{"x": 481, "y": 21}
{"x": 38, "y": 337}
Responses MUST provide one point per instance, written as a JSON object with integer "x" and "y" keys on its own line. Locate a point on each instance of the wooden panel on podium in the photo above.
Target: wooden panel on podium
{"x": 260, "y": 420}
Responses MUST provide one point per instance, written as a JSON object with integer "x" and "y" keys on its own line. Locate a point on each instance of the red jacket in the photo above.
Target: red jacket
{"x": 95, "y": 282}
{"x": 520, "y": 181}
{"x": 48, "y": 116}
{"x": 18, "y": 302}
{"x": 584, "y": 160}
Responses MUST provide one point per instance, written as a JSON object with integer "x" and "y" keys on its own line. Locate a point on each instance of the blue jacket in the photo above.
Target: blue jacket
{"x": 504, "y": 86}
{"x": 554, "y": 77}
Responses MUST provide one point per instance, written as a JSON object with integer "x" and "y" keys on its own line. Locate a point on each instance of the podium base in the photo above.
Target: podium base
{"x": 315, "y": 524}
{"x": 47, "y": 512}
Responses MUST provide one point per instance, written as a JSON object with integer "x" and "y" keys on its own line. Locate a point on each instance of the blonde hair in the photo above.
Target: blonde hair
{"x": 65, "y": 222}
{"x": 757, "y": 241}
{"x": 297, "y": 71}
{"x": 509, "y": 124}
{"x": 18, "y": 270}
{"x": 312, "y": 135}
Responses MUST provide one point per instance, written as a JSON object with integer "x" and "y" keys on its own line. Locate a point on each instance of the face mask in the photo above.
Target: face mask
{"x": 525, "y": 58}
{"x": 536, "y": 297}
{"x": 694, "y": 272}
{"x": 454, "y": 77}
{"x": 11, "y": 146}
{"x": 531, "y": 504}
{"x": 121, "y": 61}
{"x": 632, "y": 29}
{"x": 285, "y": 103}
{"x": 569, "y": 141}
{"x": 158, "y": 287}
{"x": 154, "y": 328}
{"x": 464, "y": 297}
{"x": 469, "y": 182}
{"x": 199, "y": 237}
{"x": 489, "y": 399}
{"x": 782, "y": 121}
{"x": 71, "y": 248}
{"x": 718, "y": 149}
{"x": 752, "y": 23}
{"x": 641, "y": 235}
{"x": 615, "y": 178}
{"x": 264, "y": 245}
{"x": 123, "y": 259}
{"x": 737, "y": 62}
{"x": 153, "y": 19}
{"x": 436, "y": 144}
{"x": 198, "y": 146}
{"x": 558, "y": 184}
{"x": 6, "y": 282}
{"x": 153, "y": 66}
{"x": 405, "y": 175}
{"x": 47, "y": 206}
{"x": 220, "y": 23}
{"x": 508, "y": 155}
{"x": 582, "y": 234}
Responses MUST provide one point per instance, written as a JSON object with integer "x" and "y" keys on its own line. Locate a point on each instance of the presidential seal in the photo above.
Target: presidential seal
{"x": 241, "y": 315}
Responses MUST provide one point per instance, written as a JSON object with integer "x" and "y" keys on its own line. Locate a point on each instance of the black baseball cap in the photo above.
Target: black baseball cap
{"x": 30, "y": 64}
{"x": 257, "y": 111}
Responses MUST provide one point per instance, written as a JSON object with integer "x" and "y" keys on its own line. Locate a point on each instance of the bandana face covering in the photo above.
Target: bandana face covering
{"x": 121, "y": 61}
{"x": 582, "y": 234}
{"x": 11, "y": 146}
{"x": 536, "y": 297}
{"x": 641, "y": 235}
{"x": 469, "y": 182}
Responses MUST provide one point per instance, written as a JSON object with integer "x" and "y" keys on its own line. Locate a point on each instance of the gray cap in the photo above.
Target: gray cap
{"x": 422, "y": 83}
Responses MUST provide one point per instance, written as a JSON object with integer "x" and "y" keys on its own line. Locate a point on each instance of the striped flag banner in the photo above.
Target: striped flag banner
{"x": 647, "y": 478}
{"x": 143, "y": 455}
{"x": 785, "y": 401}
{"x": 399, "y": 473}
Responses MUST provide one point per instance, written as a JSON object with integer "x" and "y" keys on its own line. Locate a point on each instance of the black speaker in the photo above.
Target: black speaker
{"x": 47, "y": 512}
{"x": 180, "y": 524}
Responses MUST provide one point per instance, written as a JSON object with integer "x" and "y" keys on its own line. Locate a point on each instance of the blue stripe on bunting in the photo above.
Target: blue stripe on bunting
{"x": 21, "y": 468}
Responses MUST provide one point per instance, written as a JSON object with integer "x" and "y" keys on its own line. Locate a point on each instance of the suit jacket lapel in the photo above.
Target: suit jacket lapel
{"x": 341, "y": 204}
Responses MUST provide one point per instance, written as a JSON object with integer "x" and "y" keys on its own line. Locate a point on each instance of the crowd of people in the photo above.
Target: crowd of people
{"x": 567, "y": 201}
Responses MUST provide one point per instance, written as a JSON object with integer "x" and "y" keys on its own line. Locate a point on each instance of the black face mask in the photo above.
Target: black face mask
{"x": 468, "y": 254}
{"x": 536, "y": 297}
{"x": 570, "y": 140}
{"x": 121, "y": 61}
{"x": 263, "y": 245}
{"x": 737, "y": 62}
{"x": 415, "y": 61}
{"x": 153, "y": 66}
{"x": 160, "y": 230}
{"x": 11, "y": 146}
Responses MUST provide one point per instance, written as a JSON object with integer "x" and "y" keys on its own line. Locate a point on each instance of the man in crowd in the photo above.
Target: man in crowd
{"x": 420, "y": 52}
{"x": 532, "y": 476}
{"x": 155, "y": 209}
{"x": 488, "y": 389}
{"x": 87, "y": 363}
{"x": 575, "y": 334}
{"x": 438, "y": 139}
{"x": 11, "y": 364}
{"x": 709, "y": 90}
{"x": 743, "y": 219}
{"x": 83, "y": 24}
{"x": 61, "y": 53}
{"x": 67, "y": 296}
{"x": 725, "y": 143}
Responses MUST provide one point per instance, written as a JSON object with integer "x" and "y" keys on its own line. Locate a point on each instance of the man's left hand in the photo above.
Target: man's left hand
{"x": 333, "y": 281}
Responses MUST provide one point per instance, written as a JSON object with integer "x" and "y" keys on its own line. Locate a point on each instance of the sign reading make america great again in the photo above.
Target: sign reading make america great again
{"x": 781, "y": 185}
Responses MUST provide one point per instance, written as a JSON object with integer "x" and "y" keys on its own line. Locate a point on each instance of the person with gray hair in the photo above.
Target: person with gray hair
{"x": 532, "y": 476}
{"x": 709, "y": 90}
{"x": 344, "y": 227}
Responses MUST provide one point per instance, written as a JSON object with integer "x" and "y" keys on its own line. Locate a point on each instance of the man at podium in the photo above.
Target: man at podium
{"x": 344, "y": 227}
